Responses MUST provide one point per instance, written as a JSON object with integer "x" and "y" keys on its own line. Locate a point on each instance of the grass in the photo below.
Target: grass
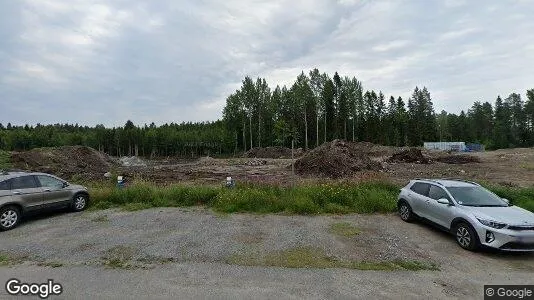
{"x": 102, "y": 218}
{"x": 344, "y": 229}
{"x": 308, "y": 199}
{"x": 528, "y": 167}
{"x": 522, "y": 197}
{"x": 119, "y": 257}
{"x": 7, "y": 259}
{"x": 5, "y": 160}
{"x": 51, "y": 264}
{"x": 308, "y": 257}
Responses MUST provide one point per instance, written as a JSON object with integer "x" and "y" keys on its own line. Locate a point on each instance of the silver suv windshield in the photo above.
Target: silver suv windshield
{"x": 476, "y": 196}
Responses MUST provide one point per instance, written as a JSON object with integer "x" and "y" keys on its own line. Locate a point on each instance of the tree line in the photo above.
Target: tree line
{"x": 184, "y": 140}
{"x": 316, "y": 108}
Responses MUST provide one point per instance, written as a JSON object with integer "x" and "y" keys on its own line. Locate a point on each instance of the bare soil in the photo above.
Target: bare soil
{"x": 68, "y": 161}
{"x": 273, "y": 152}
{"x": 337, "y": 160}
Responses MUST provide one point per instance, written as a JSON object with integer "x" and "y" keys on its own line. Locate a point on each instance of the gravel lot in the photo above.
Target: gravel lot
{"x": 191, "y": 253}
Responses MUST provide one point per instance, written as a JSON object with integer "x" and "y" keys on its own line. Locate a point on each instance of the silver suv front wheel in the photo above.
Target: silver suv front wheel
{"x": 466, "y": 236}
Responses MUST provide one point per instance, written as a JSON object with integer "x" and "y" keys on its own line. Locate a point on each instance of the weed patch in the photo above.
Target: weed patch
{"x": 9, "y": 259}
{"x": 344, "y": 229}
{"x": 336, "y": 198}
{"x": 102, "y": 218}
{"x": 51, "y": 264}
{"x": 5, "y": 160}
{"x": 308, "y": 257}
{"x": 119, "y": 257}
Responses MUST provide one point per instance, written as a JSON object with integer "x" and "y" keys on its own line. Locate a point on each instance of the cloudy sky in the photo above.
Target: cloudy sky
{"x": 107, "y": 61}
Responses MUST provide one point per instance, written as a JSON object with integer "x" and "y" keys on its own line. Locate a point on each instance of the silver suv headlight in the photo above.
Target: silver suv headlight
{"x": 491, "y": 223}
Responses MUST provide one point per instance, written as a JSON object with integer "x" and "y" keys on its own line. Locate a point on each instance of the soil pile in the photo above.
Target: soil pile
{"x": 337, "y": 159}
{"x": 412, "y": 155}
{"x": 68, "y": 161}
{"x": 458, "y": 159}
{"x": 273, "y": 152}
{"x": 256, "y": 162}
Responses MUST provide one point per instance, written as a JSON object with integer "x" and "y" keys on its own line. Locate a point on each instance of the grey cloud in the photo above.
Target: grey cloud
{"x": 169, "y": 61}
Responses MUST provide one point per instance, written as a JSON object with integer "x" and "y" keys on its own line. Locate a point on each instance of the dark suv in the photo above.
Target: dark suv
{"x": 22, "y": 193}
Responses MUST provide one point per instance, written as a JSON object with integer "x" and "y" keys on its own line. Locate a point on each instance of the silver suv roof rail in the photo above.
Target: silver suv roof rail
{"x": 430, "y": 180}
{"x": 462, "y": 180}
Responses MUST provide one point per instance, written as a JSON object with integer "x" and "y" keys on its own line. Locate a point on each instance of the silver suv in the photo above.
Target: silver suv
{"x": 22, "y": 193}
{"x": 473, "y": 214}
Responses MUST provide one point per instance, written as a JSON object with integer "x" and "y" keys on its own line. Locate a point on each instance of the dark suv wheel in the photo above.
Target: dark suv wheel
{"x": 79, "y": 202}
{"x": 9, "y": 217}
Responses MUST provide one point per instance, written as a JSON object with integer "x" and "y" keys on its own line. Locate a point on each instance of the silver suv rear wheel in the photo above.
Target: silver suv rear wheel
{"x": 405, "y": 212}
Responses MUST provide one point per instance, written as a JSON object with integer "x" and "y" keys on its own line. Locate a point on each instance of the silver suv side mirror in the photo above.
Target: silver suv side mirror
{"x": 444, "y": 201}
{"x": 506, "y": 200}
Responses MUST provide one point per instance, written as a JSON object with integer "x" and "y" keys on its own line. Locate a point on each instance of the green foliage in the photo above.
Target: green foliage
{"x": 522, "y": 197}
{"x": 366, "y": 197}
{"x": 344, "y": 229}
{"x": 5, "y": 160}
{"x": 309, "y": 257}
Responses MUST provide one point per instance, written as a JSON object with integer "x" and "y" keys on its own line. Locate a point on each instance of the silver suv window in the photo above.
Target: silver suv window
{"x": 437, "y": 193}
{"x": 23, "y": 182}
{"x": 420, "y": 188}
{"x": 4, "y": 185}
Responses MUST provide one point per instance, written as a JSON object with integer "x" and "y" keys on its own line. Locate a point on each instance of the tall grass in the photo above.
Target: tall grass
{"x": 338, "y": 198}
{"x": 522, "y": 197}
{"x": 306, "y": 199}
{"x": 5, "y": 160}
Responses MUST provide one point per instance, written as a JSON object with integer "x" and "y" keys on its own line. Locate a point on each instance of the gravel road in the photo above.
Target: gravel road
{"x": 196, "y": 253}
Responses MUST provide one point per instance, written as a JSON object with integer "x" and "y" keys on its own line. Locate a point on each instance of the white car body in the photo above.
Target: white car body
{"x": 504, "y": 227}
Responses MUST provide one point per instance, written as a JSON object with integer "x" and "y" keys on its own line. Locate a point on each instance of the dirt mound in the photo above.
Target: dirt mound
{"x": 412, "y": 155}
{"x": 68, "y": 161}
{"x": 273, "y": 152}
{"x": 337, "y": 159}
{"x": 255, "y": 162}
{"x": 458, "y": 159}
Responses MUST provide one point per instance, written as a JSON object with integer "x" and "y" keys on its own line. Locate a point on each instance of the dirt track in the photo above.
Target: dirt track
{"x": 191, "y": 253}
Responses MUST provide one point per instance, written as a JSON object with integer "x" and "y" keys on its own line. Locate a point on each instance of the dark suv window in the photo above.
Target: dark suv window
{"x": 420, "y": 188}
{"x": 4, "y": 185}
{"x": 437, "y": 193}
{"x": 23, "y": 182}
{"x": 51, "y": 182}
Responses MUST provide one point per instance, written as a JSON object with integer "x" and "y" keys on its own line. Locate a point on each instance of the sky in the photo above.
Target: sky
{"x": 108, "y": 61}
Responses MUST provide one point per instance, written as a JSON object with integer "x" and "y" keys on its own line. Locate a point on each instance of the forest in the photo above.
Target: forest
{"x": 316, "y": 108}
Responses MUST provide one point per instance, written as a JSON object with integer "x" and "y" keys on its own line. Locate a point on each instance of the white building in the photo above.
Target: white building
{"x": 445, "y": 146}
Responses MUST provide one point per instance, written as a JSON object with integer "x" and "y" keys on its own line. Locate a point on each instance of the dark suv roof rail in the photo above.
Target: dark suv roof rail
{"x": 462, "y": 180}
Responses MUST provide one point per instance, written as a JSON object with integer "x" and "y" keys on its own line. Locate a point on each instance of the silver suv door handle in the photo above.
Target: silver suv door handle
{"x": 47, "y": 190}
{"x": 16, "y": 192}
